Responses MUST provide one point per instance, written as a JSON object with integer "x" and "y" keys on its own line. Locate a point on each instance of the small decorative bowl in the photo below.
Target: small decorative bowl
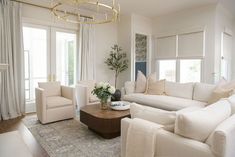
{"x": 120, "y": 105}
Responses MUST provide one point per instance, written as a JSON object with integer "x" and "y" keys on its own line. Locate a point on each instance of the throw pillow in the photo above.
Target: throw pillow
{"x": 199, "y": 124}
{"x": 156, "y": 87}
{"x": 141, "y": 81}
{"x": 151, "y": 78}
{"x": 219, "y": 94}
{"x": 223, "y": 89}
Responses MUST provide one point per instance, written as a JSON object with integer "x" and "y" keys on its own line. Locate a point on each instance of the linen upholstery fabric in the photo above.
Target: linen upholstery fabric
{"x": 12, "y": 144}
{"x": 57, "y": 101}
{"x": 129, "y": 87}
{"x": 181, "y": 90}
{"x": 198, "y": 125}
{"x": 169, "y": 144}
{"x": 222, "y": 140}
{"x": 162, "y": 101}
{"x": 219, "y": 94}
{"x": 203, "y": 91}
{"x": 142, "y": 134}
{"x": 165, "y": 118}
{"x": 151, "y": 78}
{"x": 51, "y": 88}
{"x": 141, "y": 82}
{"x": 155, "y": 87}
{"x": 231, "y": 99}
{"x": 54, "y": 108}
{"x": 84, "y": 95}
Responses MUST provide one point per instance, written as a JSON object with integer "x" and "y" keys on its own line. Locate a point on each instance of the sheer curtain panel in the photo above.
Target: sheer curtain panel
{"x": 86, "y": 52}
{"x": 12, "y": 100}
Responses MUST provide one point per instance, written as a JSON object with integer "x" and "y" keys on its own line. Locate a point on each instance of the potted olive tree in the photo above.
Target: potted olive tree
{"x": 117, "y": 62}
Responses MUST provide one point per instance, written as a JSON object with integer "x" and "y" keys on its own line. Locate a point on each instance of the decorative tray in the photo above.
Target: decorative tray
{"x": 120, "y": 105}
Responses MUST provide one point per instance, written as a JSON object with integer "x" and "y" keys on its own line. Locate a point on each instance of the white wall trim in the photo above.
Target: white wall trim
{"x": 49, "y": 23}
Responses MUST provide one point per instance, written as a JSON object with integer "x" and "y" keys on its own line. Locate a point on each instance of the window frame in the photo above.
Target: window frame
{"x": 177, "y": 68}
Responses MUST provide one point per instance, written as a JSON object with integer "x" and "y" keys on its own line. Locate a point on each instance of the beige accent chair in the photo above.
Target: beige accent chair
{"x": 54, "y": 102}
{"x": 83, "y": 93}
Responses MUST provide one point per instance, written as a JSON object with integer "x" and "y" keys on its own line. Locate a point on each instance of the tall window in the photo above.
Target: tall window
{"x": 50, "y": 55}
{"x": 182, "y": 70}
{"x": 35, "y": 55}
{"x": 190, "y": 70}
{"x": 66, "y": 58}
{"x": 226, "y": 55}
{"x": 167, "y": 70}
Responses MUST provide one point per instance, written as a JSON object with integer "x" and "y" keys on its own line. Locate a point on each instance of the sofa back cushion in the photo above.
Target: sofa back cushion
{"x": 51, "y": 88}
{"x": 199, "y": 124}
{"x": 163, "y": 117}
{"x": 181, "y": 90}
{"x": 203, "y": 92}
{"x": 141, "y": 81}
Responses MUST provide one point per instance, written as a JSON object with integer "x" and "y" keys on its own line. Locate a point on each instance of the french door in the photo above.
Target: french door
{"x": 50, "y": 55}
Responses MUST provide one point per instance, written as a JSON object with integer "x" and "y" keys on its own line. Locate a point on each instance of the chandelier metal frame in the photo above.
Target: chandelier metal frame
{"x": 68, "y": 16}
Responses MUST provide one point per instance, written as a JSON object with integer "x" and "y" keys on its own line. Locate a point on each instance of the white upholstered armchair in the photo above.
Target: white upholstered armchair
{"x": 83, "y": 93}
{"x": 54, "y": 102}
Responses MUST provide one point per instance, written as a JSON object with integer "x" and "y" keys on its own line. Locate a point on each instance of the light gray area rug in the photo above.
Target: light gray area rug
{"x": 70, "y": 138}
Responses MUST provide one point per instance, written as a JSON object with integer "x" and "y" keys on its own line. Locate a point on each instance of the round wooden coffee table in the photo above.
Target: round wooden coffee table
{"x": 106, "y": 123}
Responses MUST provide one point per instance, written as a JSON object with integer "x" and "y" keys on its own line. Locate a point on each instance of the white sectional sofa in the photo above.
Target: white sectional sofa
{"x": 198, "y": 132}
{"x": 177, "y": 95}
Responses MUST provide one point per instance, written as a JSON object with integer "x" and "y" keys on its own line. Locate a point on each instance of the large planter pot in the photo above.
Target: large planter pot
{"x": 116, "y": 96}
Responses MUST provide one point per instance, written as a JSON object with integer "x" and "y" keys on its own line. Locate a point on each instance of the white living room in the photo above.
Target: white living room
{"x": 117, "y": 78}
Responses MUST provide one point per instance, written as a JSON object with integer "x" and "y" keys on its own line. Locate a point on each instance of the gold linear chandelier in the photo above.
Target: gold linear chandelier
{"x": 96, "y": 11}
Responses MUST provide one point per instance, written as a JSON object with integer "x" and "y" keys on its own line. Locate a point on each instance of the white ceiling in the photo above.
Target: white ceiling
{"x": 230, "y": 5}
{"x": 152, "y": 8}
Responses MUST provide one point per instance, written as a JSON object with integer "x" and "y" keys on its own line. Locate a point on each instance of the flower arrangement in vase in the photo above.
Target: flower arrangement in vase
{"x": 104, "y": 92}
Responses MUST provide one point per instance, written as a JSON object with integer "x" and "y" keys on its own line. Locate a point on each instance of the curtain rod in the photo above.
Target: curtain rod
{"x": 48, "y": 8}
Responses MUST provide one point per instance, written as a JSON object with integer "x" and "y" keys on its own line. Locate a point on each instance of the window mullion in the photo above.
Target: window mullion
{"x": 177, "y": 70}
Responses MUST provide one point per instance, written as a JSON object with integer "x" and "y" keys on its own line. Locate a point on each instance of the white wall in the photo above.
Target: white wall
{"x": 105, "y": 38}
{"x": 186, "y": 20}
{"x": 35, "y": 15}
{"x": 142, "y": 25}
{"x": 233, "y": 54}
{"x": 223, "y": 23}
{"x": 125, "y": 41}
{"x": 127, "y": 28}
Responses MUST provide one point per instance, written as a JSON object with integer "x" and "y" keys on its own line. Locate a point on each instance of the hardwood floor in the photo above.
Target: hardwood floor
{"x": 17, "y": 124}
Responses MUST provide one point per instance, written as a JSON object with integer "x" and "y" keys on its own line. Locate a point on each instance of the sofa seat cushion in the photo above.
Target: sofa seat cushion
{"x": 57, "y": 101}
{"x": 162, "y": 101}
{"x": 203, "y": 91}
